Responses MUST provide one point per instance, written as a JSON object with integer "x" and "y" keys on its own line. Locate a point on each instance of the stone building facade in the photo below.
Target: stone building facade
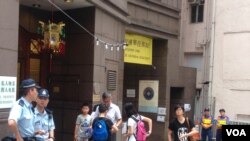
{"x": 82, "y": 73}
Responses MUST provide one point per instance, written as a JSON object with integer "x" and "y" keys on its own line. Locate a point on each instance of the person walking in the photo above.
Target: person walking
{"x": 43, "y": 122}
{"x": 206, "y": 124}
{"x": 102, "y": 126}
{"x": 83, "y": 129}
{"x": 221, "y": 120}
{"x": 181, "y": 127}
{"x": 133, "y": 118}
{"x": 20, "y": 119}
{"x": 113, "y": 112}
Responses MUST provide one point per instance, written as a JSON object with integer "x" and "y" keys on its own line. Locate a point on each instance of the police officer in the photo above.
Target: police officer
{"x": 221, "y": 120}
{"x": 43, "y": 121}
{"x": 21, "y": 116}
{"x": 206, "y": 124}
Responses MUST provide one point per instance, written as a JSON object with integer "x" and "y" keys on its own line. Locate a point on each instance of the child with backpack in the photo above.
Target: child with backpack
{"x": 136, "y": 130}
{"x": 102, "y": 126}
{"x": 83, "y": 130}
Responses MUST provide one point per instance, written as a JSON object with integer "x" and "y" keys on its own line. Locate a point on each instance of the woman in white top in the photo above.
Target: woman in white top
{"x": 133, "y": 115}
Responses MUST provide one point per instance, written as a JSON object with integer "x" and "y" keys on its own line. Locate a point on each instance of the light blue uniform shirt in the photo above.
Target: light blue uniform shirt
{"x": 43, "y": 122}
{"x": 21, "y": 112}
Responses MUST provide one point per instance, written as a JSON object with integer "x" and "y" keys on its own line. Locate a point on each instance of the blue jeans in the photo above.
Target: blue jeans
{"x": 218, "y": 135}
{"x": 206, "y": 133}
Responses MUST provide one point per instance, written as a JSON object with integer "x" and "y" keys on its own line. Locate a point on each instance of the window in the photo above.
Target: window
{"x": 197, "y": 11}
{"x": 35, "y": 69}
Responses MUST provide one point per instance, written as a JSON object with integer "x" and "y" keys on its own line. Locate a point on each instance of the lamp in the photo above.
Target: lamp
{"x": 53, "y": 37}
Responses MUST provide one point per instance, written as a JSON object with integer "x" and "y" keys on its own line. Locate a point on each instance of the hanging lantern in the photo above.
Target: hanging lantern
{"x": 53, "y": 37}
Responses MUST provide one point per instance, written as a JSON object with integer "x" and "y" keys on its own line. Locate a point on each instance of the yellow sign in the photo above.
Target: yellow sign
{"x": 139, "y": 49}
{"x": 222, "y": 122}
{"x": 207, "y": 121}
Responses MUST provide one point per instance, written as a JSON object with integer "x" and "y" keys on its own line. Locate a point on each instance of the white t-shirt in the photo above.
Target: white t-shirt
{"x": 84, "y": 123}
{"x": 133, "y": 124}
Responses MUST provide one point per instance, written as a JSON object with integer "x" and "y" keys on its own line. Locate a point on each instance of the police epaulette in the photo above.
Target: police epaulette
{"x": 21, "y": 102}
{"x": 33, "y": 109}
{"x": 49, "y": 113}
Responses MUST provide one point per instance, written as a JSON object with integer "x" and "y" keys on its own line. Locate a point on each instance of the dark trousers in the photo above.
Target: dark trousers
{"x": 8, "y": 139}
{"x": 14, "y": 139}
{"x": 113, "y": 137}
{"x": 218, "y": 135}
{"x": 206, "y": 133}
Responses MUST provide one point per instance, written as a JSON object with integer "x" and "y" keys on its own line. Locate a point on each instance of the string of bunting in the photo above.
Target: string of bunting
{"x": 98, "y": 41}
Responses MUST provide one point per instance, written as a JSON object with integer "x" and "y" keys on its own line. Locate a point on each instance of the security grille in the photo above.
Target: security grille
{"x": 111, "y": 80}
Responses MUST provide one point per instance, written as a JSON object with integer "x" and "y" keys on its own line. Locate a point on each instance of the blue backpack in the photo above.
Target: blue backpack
{"x": 100, "y": 132}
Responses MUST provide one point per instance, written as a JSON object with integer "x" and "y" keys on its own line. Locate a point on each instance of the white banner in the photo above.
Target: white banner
{"x": 8, "y": 89}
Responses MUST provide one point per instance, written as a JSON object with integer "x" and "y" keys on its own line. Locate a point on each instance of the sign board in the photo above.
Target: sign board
{"x": 161, "y": 111}
{"x": 161, "y": 118}
{"x": 8, "y": 91}
{"x": 96, "y": 98}
{"x": 130, "y": 92}
{"x": 148, "y": 95}
{"x": 187, "y": 107}
{"x": 139, "y": 49}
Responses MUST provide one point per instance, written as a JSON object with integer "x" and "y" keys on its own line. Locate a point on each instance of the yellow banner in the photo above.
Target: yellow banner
{"x": 139, "y": 49}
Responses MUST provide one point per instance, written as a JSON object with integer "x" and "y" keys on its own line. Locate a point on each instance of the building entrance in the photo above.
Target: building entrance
{"x": 67, "y": 76}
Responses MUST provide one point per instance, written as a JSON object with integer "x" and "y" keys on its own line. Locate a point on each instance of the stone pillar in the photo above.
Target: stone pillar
{"x": 9, "y": 19}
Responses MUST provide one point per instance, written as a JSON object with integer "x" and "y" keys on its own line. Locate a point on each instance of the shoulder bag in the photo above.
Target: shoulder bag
{"x": 194, "y": 137}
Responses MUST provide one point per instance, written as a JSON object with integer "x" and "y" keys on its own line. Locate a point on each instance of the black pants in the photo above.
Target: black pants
{"x": 8, "y": 139}
{"x": 14, "y": 139}
{"x": 29, "y": 139}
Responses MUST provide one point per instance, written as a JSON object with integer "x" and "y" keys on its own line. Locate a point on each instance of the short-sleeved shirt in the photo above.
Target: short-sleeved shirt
{"x": 109, "y": 125}
{"x": 208, "y": 120}
{"x": 113, "y": 113}
{"x": 222, "y": 120}
{"x": 180, "y": 128}
{"x": 133, "y": 124}
{"x": 21, "y": 112}
{"x": 84, "y": 123}
{"x": 206, "y": 117}
{"x": 43, "y": 122}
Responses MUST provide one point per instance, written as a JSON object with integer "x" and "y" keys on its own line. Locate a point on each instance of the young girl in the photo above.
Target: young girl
{"x": 83, "y": 124}
{"x": 132, "y": 114}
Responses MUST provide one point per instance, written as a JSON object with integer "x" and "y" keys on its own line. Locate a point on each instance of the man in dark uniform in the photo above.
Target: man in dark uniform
{"x": 221, "y": 120}
{"x": 206, "y": 124}
{"x": 20, "y": 119}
